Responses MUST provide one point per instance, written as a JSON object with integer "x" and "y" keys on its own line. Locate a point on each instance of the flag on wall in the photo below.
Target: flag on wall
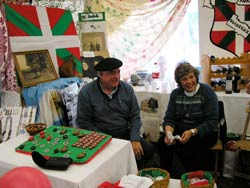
{"x": 231, "y": 26}
{"x": 36, "y": 28}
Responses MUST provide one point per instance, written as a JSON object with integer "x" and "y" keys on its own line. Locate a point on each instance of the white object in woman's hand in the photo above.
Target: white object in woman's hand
{"x": 169, "y": 138}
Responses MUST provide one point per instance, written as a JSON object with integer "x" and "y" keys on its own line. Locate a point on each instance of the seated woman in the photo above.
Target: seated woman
{"x": 190, "y": 123}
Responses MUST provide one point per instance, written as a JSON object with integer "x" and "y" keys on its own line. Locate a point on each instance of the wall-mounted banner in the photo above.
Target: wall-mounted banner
{"x": 92, "y": 31}
{"x": 36, "y": 28}
{"x": 231, "y": 25}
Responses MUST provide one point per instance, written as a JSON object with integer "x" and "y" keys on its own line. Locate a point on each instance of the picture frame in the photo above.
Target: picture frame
{"x": 34, "y": 67}
{"x": 93, "y": 41}
{"x": 89, "y": 60}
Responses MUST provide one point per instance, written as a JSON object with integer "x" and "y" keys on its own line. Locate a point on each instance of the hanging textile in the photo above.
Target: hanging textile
{"x": 137, "y": 30}
{"x": 7, "y": 68}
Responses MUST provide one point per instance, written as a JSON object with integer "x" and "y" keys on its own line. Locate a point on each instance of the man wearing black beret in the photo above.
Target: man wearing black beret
{"x": 109, "y": 105}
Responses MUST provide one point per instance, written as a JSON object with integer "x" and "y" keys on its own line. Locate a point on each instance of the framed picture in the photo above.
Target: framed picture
{"x": 88, "y": 64}
{"x": 34, "y": 67}
{"x": 93, "y": 41}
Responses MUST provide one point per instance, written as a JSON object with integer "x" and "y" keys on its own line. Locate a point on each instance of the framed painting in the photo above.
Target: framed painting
{"x": 34, "y": 67}
{"x": 93, "y": 41}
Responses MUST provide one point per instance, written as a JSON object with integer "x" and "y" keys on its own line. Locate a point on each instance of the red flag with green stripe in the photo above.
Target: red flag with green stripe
{"x": 20, "y": 22}
{"x": 37, "y": 28}
{"x": 61, "y": 22}
{"x": 63, "y": 54}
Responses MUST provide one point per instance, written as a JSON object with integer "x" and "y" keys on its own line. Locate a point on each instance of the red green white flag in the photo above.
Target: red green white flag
{"x": 37, "y": 28}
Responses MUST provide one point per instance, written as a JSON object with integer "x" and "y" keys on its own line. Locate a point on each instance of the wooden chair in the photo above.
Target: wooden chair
{"x": 244, "y": 145}
{"x": 219, "y": 148}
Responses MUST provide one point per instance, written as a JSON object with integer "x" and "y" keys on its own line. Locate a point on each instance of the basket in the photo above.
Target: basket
{"x": 35, "y": 128}
{"x": 154, "y": 173}
{"x": 197, "y": 174}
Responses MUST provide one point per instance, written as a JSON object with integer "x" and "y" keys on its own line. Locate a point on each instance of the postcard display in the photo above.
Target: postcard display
{"x": 14, "y": 119}
{"x": 93, "y": 40}
{"x": 92, "y": 31}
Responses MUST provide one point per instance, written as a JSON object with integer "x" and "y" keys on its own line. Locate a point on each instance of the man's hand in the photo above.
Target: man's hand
{"x": 138, "y": 151}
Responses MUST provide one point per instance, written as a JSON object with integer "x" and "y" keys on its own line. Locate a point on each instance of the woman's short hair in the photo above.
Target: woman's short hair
{"x": 184, "y": 68}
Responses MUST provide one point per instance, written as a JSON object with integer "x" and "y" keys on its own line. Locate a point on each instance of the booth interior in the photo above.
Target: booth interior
{"x": 49, "y": 69}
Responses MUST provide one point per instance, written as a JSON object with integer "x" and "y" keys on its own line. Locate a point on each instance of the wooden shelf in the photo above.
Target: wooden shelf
{"x": 243, "y": 62}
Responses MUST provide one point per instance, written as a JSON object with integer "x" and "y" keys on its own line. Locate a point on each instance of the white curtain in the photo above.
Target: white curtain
{"x": 137, "y": 30}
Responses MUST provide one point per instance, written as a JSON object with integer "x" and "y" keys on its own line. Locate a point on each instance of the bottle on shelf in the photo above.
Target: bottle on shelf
{"x": 237, "y": 80}
{"x": 229, "y": 81}
{"x": 212, "y": 57}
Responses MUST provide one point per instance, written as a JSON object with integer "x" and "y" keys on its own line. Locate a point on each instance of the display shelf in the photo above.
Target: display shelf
{"x": 243, "y": 62}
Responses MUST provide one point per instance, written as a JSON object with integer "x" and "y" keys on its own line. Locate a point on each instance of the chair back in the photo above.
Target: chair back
{"x": 222, "y": 124}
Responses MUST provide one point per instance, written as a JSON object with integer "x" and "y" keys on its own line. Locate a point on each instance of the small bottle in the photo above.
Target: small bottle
{"x": 229, "y": 81}
{"x": 155, "y": 77}
{"x": 212, "y": 57}
{"x": 156, "y": 71}
{"x": 237, "y": 80}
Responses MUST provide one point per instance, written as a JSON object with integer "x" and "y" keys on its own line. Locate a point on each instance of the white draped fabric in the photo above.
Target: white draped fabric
{"x": 137, "y": 30}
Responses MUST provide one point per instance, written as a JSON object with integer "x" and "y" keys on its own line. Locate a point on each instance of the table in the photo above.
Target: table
{"x": 114, "y": 161}
{"x": 235, "y": 110}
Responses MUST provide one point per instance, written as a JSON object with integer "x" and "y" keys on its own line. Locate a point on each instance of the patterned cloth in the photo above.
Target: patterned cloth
{"x": 137, "y": 30}
{"x": 49, "y": 101}
{"x": 7, "y": 68}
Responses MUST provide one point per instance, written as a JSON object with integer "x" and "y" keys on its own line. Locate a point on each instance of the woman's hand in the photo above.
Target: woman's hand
{"x": 137, "y": 148}
{"x": 169, "y": 138}
{"x": 185, "y": 137}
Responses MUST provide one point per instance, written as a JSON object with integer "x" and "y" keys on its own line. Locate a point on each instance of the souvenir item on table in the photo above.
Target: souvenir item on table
{"x": 141, "y": 77}
{"x": 107, "y": 184}
{"x": 159, "y": 176}
{"x": 132, "y": 180}
{"x": 58, "y": 141}
{"x": 13, "y": 120}
{"x": 70, "y": 95}
{"x": 52, "y": 163}
{"x": 197, "y": 179}
{"x": 35, "y": 128}
{"x": 66, "y": 70}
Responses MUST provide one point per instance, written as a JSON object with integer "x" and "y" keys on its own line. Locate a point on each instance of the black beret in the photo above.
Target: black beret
{"x": 107, "y": 64}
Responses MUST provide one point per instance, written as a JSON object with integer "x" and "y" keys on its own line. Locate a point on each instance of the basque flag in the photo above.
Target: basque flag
{"x": 36, "y": 28}
{"x": 230, "y": 29}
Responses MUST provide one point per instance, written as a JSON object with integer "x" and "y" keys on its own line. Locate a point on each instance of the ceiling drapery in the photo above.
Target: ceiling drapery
{"x": 137, "y": 30}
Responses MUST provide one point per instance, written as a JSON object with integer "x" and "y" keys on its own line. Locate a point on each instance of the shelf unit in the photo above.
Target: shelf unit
{"x": 242, "y": 61}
